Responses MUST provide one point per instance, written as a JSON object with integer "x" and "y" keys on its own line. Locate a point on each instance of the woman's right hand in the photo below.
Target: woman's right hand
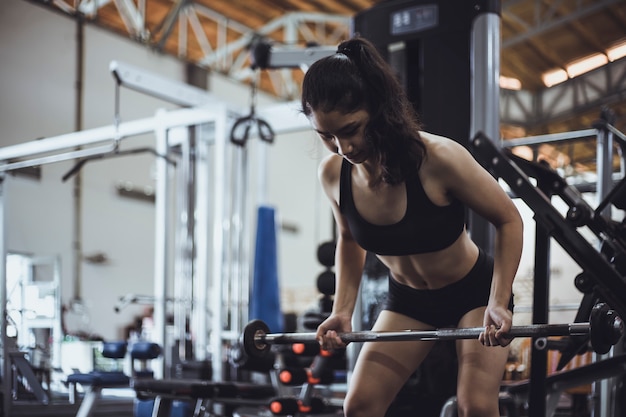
{"x": 328, "y": 332}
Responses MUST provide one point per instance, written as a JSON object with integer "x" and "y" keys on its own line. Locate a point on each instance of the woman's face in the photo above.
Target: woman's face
{"x": 343, "y": 133}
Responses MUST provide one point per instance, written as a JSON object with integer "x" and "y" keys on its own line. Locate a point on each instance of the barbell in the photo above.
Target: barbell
{"x": 604, "y": 329}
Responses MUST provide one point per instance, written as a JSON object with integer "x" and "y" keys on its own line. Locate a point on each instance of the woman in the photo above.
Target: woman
{"x": 401, "y": 193}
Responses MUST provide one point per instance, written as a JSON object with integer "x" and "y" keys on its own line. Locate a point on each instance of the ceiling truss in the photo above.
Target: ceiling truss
{"x": 230, "y": 57}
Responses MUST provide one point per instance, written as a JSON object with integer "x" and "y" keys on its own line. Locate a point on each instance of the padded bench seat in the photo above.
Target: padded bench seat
{"x": 95, "y": 381}
{"x": 166, "y": 391}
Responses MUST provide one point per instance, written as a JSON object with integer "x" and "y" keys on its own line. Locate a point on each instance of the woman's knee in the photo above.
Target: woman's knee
{"x": 358, "y": 405}
{"x": 477, "y": 406}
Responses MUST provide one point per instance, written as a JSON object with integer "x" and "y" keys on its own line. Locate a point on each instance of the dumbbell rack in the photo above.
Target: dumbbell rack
{"x": 293, "y": 374}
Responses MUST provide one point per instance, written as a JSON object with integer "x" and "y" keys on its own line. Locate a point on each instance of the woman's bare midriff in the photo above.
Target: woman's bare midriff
{"x": 434, "y": 269}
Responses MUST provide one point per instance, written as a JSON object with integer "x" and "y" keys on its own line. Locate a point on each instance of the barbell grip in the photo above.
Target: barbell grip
{"x": 533, "y": 330}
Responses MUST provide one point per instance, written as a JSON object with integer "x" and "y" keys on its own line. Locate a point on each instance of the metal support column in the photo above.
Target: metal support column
{"x": 541, "y": 311}
{"x": 604, "y": 158}
{"x": 602, "y": 390}
{"x": 203, "y": 228}
{"x": 4, "y": 360}
{"x": 485, "y": 108}
{"x": 161, "y": 239}
{"x": 219, "y": 236}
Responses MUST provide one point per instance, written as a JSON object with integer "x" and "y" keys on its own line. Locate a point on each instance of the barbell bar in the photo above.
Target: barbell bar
{"x": 605, "y": 328}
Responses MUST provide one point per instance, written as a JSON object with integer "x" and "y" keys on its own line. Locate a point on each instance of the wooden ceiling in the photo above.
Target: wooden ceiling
{"x": 537, "y": 36}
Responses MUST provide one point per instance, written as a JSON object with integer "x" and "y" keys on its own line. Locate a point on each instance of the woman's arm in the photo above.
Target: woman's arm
{"x": 349, "y": 262}
{"x": 468, "y": 181}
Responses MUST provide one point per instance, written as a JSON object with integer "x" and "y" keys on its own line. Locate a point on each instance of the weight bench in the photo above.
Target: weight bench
{"x": 233, "y": 394}
{"x": 95, "y": 381}
{"x": 515, "y": 395}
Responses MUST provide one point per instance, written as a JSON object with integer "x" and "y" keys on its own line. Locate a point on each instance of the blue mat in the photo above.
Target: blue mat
{"x": 265, "y": 294}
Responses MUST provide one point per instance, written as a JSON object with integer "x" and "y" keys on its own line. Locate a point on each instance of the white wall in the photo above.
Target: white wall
{"x": 37, "y": 99}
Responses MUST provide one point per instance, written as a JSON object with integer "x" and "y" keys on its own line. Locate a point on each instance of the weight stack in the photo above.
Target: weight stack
{"x": 265, "y": 294}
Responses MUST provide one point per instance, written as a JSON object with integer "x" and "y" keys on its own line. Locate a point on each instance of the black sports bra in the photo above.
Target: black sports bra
{"x": 425, "y": 226}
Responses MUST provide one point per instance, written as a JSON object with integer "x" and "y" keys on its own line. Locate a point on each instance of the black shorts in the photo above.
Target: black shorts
{"x": 444, "y": 307}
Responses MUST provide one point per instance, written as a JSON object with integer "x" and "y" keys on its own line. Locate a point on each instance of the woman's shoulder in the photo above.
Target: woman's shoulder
{"x": 437, "y": 142}
{"x": 329, "y": 169}
{"x": 440, "y": 148}
{"x": 329, "y": 173}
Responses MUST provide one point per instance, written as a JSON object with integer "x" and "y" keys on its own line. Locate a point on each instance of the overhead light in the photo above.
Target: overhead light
{"x": 617, "y": 51}
{"x": 586, "y": 64}
{"x": 510, "y": 83}
{"x": 554, "y": 77}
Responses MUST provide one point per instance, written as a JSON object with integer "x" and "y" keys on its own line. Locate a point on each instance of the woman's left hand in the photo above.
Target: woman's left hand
{"x": 498, "y": 321}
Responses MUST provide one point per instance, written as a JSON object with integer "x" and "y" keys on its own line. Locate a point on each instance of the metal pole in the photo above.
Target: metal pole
{"x": 240, "y": 271}
{"x": 604, "y": 170}
{"x": 549, "y": 138}
{"x": 244, "y": 255}
{"x": 544, "y": 330}
{"x": 161, "y": 238}
{"x": 77, "y": 246}
{"x": 202, "y": 233}
{"x": 184, "y": 244}
{"x": 220, "y": 219}
{"x": 537, "y": 400}
{"x": 62, "y": 146}
{"x": 6, "y": 365}
{"x": 485, "y": 108}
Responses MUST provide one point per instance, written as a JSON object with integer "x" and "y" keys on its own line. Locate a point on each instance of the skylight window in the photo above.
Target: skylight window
{"x": 584, "y": 65}
{"x": 616, "y": 52}
{"x": 510, "y": 83}
{"x": 554, "y": 77}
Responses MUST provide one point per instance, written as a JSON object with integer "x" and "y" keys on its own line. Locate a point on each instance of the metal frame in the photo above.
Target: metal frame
{"x": 604, "y": 134}
{"x": 602, "y": 86}
{"x": 277, "y": 57}
{"x": 484, "y": 89}
{"x": 608, "y": 283}
{"x": 229, "y": 255}
{"x": 56, "y": 148}
{"x": 137, "y": 79}
{"x": 170, "y": 129}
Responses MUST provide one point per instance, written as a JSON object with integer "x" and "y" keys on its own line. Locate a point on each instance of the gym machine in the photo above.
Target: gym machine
{"x": 604, "y": 275}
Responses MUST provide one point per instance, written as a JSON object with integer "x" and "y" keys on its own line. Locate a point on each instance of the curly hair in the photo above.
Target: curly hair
{"x": 357, "y": 77}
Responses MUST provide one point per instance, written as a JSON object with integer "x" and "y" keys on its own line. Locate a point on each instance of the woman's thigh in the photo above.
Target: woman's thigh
{"x": 382, "y": 368}
{"x": 481, "y": 368}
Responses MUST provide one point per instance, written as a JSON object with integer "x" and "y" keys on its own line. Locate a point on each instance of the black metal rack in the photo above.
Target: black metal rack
{"x": 603, "y": 268}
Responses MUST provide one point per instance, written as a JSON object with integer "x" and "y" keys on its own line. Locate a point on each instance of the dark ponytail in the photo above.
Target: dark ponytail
{"x": 357, "y": 77}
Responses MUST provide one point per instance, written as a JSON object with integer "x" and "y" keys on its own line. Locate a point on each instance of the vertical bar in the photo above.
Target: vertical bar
{"x": 234, "y": 236}
{"x": 161, "y": 238}
{"x": 485, "y": 102}
{"x": 604, "y": 403}
{"x": 184, "y": 242}
{"x": 239, "y": 254}
{"x": 57, "y": 331}
{"x": 6, "y": 363}
{"x": 485, "y": 70}
{"x": 244, "y": 256}
{"x": 202, "y": 230}
{"x": 262, "y": 173}
{"x": 77, "y": 182}
{"x": 541, "y": 302}
{"x": 604, "y": 170}
{"x": 219, "y": 223}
